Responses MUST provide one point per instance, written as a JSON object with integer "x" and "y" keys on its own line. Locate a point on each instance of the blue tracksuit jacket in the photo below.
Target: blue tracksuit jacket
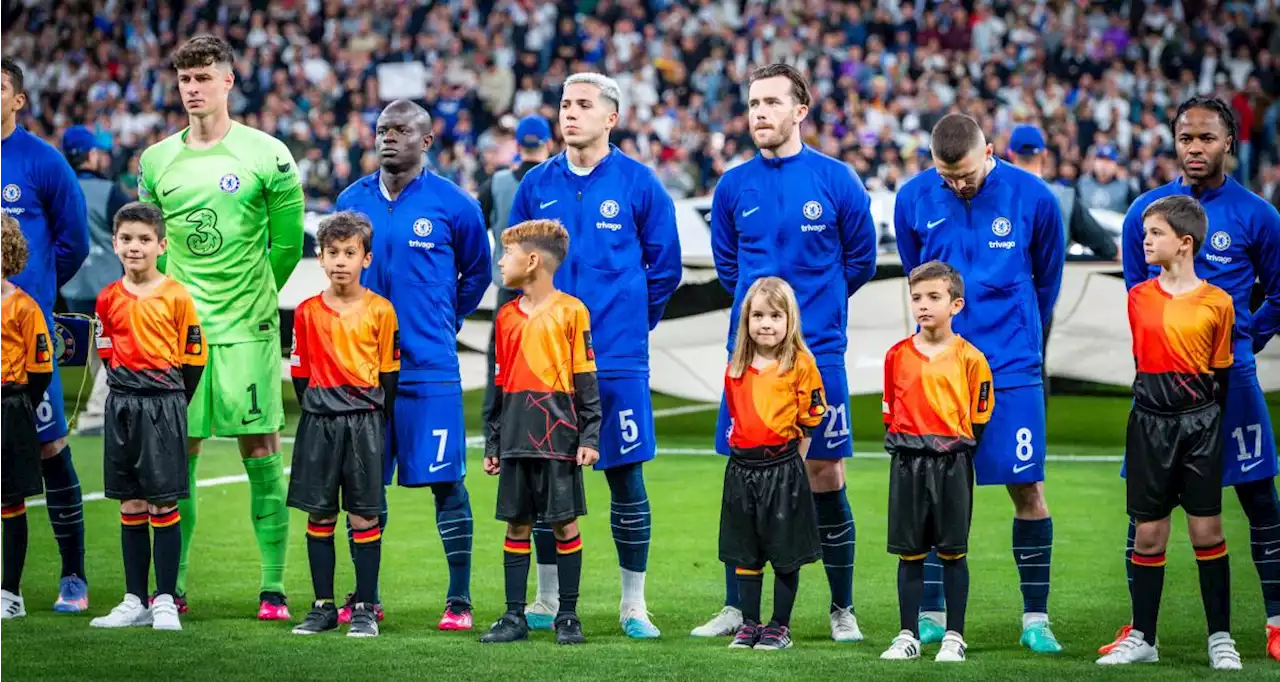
{"x": 431, "y": 260}
{"x": 1007, "y": 244}
{"x": 1242, "y": 246}
{"x": 807, "y": 219}
{"x": 39, "y": 188}
{"x": 624, "y": 250}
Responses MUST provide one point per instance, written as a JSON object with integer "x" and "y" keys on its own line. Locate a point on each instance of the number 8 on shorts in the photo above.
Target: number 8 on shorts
{"x": 1012, "y": 447}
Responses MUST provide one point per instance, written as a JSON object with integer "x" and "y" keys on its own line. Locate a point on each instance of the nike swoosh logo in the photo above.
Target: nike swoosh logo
{"x": 629, "y": 448}
{"x": 1246, "y": 468}
{"x": 171, "y": 190}
{"x": 1024, "y": 557}
{"x": 833, "y": 536}
{"x": 1271, "y": 551}
{"x": 282, "y": 167}
{"x": 836, "y": 443}
{"x": 747, "y": 213}
{"x": 246, "y": 422}
{"x": 934, "y": 223}
{"x": 446, "y": 531}
{"x": 436, "y": 467}
{"x": 547, "y": 203}
{"x": 631, "y": 521}
{"x": 43, "y": 428}
{"x": 265, "y": 516}
{"x": 1023, "y": 467}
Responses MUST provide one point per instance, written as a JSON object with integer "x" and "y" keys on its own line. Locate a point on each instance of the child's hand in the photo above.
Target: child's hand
{"x": 492, "y": 466}
{"x": 588, "y": 456}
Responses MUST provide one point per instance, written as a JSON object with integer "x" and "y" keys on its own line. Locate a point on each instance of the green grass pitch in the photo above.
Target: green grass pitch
{"x": 222, "y": 641}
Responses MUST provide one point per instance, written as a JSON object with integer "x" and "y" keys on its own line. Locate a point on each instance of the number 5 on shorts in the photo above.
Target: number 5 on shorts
{"x": 630, "y": 431}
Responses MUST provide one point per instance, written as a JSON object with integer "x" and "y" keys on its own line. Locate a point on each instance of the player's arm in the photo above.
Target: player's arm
{"x": 1086, "y": 231}
{"x": 1265, "y": 254}
{"x": 116, "y": 200}
{"x": 983, "y": 395}
{"x": 472, "y": 257}
{"x": 299, "y": 359}
{"x": 286, "y": 209}
{"x": 389, "y": 357}
{"x": 660, "y": 247}
{"x": 39, "y": 354}
{"x": 1222, "y": 355}
{"x": 586, "y": 388}
{"x": 147, "y": 194}
{"x": 886, "y": 400}
{"x": 811, "y": 402}
{"x": 724, "y": 237}
{"x": 193, "y": 354}
{"x": 909, "y": 244}
{"x": 493, "y": 418}
{"x": 68, "y": 218}
{"x": 520, "y": 211}
{"x": 1048, "y": 254}
{"x": 485, "y": 197}
{"x": 1136, "y": 270}
{"x": 857, "y": 232}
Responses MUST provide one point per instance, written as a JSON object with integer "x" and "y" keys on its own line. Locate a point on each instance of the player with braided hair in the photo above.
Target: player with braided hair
{"x": 1242, "y": 246}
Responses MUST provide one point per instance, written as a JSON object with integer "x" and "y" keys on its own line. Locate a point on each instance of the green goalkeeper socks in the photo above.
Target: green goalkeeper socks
{"x": 187, "y": 510}
{"x": 270, "y": 517}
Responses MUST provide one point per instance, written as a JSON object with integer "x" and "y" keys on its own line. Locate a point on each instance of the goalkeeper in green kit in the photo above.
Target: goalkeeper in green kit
{"x": 233, "y": 209}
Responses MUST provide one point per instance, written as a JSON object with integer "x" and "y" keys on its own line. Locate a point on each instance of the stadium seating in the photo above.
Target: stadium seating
{"x": 881, "y": 76}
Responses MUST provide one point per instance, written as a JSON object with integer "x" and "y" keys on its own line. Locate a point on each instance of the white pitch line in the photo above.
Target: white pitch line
{"x": 700, "y": 452}
{"x": 206, "y": 483}
{"x": 475, "y": 441}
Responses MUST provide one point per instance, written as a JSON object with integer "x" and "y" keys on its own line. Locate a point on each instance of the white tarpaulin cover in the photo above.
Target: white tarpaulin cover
{"x": 1090, "y": 340}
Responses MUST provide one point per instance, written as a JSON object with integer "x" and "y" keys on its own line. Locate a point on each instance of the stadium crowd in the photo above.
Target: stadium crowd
{"x": 1102, "y": 79}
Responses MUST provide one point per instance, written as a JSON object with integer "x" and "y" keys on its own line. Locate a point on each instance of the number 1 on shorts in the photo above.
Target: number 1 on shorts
{"x": 253, "y": 399}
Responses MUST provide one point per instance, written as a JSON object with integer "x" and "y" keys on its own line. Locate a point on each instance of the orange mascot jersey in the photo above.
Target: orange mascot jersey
{"x": 26, "y": 343}
{"x": 538, "y": 356}
{"x": 342, "y": 354}
{"x": 1178, "y": 342}
{"x": 144, "y": 341}
{"x": 932, "y": 404}
{"x": 770, "y": 412}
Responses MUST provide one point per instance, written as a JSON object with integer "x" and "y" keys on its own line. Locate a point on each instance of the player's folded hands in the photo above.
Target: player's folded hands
{"x": 588, "y": 456}
{"x": 492, "y": 466}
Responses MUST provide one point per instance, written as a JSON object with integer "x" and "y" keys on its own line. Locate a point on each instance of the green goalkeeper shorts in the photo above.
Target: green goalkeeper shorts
{"x": 239, "y": 393}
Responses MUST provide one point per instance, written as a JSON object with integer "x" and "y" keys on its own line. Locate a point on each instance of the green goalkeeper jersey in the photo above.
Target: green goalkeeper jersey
{"x": 233, "y": 215}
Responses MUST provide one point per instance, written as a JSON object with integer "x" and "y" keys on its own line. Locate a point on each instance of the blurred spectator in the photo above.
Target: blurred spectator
{"x": 1027, "y": 151}
{"x": 316, "y": 74}
{"x": 90, "y": 156}
{"x": 1103, "y": 187}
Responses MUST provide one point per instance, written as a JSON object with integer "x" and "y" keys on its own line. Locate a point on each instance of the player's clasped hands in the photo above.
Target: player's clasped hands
{"x": 587, "y": 456}
{"x": 492, "y": 466}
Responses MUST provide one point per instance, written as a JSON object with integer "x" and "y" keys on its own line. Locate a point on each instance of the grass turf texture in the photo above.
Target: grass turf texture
{"x": 685, "y": 582}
